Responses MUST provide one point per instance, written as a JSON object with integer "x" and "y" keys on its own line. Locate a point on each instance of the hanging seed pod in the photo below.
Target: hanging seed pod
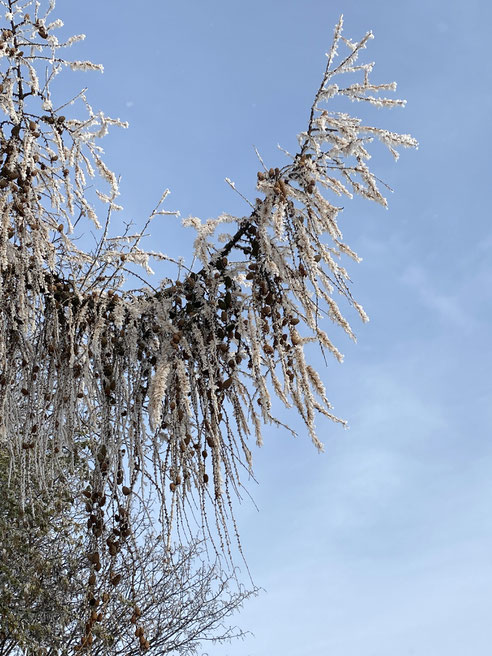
{"x": 93, "y": 557}
{"x": 295, "y": 337}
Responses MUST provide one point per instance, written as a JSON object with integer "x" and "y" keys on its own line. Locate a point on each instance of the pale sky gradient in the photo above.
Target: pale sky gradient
{"x": 382, "y": 546}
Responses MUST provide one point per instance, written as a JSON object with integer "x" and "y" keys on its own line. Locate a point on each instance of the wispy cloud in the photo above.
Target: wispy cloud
{"x": 450, "y": 307}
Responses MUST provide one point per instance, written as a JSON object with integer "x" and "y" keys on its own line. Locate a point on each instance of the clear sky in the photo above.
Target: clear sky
{"x": 381, "y": 546}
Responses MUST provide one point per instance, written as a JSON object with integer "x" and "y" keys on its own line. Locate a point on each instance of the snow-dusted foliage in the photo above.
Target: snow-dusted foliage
{"x": 160, "y": 388}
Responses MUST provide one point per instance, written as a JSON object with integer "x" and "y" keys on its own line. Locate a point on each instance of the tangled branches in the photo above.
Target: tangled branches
{"x": 54, "y": 603}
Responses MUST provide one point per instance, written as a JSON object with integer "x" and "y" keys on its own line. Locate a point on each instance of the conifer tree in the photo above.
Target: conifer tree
{"x": 149, "y": 396}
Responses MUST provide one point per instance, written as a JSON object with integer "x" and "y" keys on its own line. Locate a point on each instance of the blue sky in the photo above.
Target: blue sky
{"x": 383, "y": 544}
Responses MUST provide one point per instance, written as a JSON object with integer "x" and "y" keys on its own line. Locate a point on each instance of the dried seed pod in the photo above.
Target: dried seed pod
{"x": 93, "y": 557}
{"x": 295, "y": 337}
